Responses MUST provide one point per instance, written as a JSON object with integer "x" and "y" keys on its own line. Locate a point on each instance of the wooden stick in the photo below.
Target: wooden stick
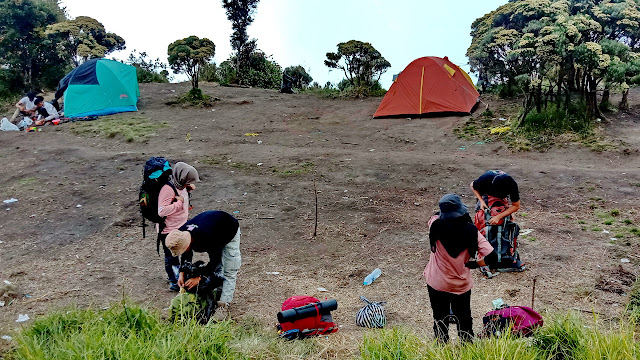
{"x": 315, "y": 192}
{"x": 533, "y": 292}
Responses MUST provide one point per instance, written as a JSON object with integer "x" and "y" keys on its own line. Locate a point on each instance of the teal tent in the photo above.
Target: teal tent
{"x": 99, "y": 87}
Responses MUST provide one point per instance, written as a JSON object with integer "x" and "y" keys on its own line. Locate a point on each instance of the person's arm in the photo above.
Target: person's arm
{"x": 186, "y": 256}
{"x": 510, "y": 210}
{"x": 485, "y": 256}
{"x": 166, "y": 204}
{"x": 483, "y": 205}
{"x": 231, "y": 261}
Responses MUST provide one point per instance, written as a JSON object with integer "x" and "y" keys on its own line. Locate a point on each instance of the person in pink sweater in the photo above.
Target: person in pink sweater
{"x": 454, "y": 241}
{"x": 173, "y": 206}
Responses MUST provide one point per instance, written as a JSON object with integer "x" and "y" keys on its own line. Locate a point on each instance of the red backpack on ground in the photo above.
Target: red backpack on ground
{"x": 522, "y": 320}
{"x": 320, "y": 324}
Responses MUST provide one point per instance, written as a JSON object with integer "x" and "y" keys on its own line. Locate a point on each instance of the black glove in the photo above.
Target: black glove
{"x": 472, "y": 265}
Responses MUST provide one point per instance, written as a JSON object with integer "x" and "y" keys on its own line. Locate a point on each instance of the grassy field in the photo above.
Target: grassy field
{"x": 127, "y": 331}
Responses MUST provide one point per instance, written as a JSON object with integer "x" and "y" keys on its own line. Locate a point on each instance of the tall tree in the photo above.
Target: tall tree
{"x": 189, "y": 54}
{"x": 361, "y": 63}
{"x": 240, "y": 13}
{"x": 84, "y": 38}
{"x": 556, "y": 47}
{"x": 24, "y": 49}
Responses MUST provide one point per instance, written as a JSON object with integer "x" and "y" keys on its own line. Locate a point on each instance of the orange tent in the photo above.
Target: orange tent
{"x": 429, "y": 85}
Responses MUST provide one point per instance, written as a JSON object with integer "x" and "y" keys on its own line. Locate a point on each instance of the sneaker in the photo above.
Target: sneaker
{"x": 174, "y": 287}
{"x": 222, "y": 313}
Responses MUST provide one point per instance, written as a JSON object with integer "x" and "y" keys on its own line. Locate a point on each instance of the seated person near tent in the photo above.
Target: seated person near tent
{"x": 46, "y": 112}
{"x": 25, "y": 106}
{"x": 218, "y": 234}
{"x": 498, "y": 184}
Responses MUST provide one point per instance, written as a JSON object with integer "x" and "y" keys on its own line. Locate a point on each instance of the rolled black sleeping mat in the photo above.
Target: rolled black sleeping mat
{"x": 309, "y": 310}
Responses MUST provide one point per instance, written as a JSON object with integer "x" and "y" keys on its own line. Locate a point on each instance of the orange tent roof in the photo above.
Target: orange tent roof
{"x": 429, "y": 85}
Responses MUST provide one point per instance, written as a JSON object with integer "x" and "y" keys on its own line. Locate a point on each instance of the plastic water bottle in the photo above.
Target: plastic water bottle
{"x": 374, "y": 275}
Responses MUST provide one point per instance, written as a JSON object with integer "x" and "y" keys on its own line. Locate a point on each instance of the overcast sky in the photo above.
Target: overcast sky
{"x": 298, "y": 32}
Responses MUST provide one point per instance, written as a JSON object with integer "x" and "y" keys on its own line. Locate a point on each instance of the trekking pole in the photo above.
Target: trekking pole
{"x": 533, "y": 292}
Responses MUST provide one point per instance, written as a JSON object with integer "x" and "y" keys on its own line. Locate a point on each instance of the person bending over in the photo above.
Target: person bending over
{"x": 217, "y": 234}
{"x": 46, "y": 112}
{"x": 498, "y": 184}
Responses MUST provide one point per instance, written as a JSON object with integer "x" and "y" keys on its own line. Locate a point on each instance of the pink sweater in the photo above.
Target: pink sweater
{"x": 448, "y": 274}
{"x": 177, "y": 212}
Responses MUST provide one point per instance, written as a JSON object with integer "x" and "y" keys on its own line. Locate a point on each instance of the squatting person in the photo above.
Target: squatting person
{"x": 216, "y": 233}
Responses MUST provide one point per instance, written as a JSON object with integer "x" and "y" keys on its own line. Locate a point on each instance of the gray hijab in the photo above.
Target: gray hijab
{"x": 184, "y": 174}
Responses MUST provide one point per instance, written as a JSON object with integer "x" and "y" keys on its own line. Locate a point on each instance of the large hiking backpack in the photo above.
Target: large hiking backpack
{"x": 503, "y": 236}
{"x": 320, "y": 323}
{"x": 521, "y": 320}
{"x": 156, "y": 174}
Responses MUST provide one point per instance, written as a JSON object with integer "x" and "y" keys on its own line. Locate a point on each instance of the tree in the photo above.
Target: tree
{"x": 189, "y": 54}
{"x": 260, "y": 71}
{"x": 300, "y": 78}
{"x": 148, "y": 70}
{"x": 240, "y": 13}
{"x": 361, "y": 63}
{"x": 556, "y": 48}
{"x": 83, "y": 38}
{"x": 27, "y": 58}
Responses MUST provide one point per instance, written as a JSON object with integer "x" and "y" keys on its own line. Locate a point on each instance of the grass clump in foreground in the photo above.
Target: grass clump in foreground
{"x": 132, "y": 128}
{"x": 131, "y": 332}
{"x": 562, "y": 337}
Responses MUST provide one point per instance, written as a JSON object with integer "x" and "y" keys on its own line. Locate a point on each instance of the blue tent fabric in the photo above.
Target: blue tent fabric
{"x": 99, "y": 87}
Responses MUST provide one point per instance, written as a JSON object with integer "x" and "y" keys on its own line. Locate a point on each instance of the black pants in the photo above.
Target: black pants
{"x": 447, "y": 306}
{"x": 170, "y": 261}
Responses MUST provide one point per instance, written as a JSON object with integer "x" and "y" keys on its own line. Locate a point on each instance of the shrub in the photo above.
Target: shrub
{"x": 554, "y": 120}
{"x": 262, "y": 72}
{"x": 209, "y": 72}
{"x": 226, "y": 73}
{"x": 300, "y": 77}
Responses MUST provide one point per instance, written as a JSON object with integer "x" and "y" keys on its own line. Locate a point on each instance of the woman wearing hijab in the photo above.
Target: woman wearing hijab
{"x": 173, "y": 205}
{"x": 454, "y": 241}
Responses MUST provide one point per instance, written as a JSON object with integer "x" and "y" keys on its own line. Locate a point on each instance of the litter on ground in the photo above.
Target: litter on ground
{"x": 22, "y": 317}
{"x": 9, "y": 201}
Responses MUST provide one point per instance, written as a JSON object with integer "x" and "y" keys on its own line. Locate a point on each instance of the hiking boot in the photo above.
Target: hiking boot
{"x": 222, "y": 313}
{"x": 174, "y": 287}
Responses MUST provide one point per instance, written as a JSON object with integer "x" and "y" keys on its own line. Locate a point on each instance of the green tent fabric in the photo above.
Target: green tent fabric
{"x": 99, "y": 87}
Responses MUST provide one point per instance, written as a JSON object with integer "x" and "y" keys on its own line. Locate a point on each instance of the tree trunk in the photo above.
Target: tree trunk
{"x": 591, "y": 96}
{"x": 539, "y": 97}
{"x": 571, "y": 81}
{"x": 604, "y": 103}
{"x": 624, "y": 103}
{"x": 559, "y": 85}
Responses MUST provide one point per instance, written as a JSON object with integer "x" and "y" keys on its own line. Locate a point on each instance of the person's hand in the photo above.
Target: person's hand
{"x": 181, "y": 280}
{"x": 191, "y": 187}
{"x": 178, "y": 197}
{"x": 483, "y": 205}
{"x": 494, "y": 220}
{"x": 192, "y": 282}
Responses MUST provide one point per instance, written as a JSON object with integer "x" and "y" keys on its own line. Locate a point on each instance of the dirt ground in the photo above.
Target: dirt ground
{"x": 73, "y": 237}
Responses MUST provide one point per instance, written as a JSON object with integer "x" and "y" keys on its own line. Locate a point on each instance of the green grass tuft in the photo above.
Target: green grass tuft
{"x": 131, "y": 128}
